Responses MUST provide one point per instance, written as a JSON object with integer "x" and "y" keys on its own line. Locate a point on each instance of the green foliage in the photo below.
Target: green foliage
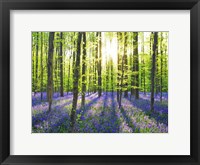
{"x": 111, "y": 75}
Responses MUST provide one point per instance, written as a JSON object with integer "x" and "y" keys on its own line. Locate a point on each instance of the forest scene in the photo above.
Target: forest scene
{"x": 99, "y": 82}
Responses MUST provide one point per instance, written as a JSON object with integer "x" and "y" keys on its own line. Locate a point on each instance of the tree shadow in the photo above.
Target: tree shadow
{"x": 108, "y": 118}
{"x": 83, "y": 110}
{"x": 36, "y": 100}
{"x": 82, "y": 125}
{"x": 105, "y": 97}
{"x": 127, "y": 118}
{"x": 114, "y": 118}
{"x": 160, "y": 113}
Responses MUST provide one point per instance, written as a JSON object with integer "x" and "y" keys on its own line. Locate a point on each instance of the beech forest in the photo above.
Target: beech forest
{"x": 99, "y": 82}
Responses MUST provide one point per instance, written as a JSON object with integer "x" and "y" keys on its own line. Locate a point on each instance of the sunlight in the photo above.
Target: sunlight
{"x": 109, "y": 49}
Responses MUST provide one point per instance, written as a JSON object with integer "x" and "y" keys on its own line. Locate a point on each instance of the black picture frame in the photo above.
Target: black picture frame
{"x": 7, "y": 5}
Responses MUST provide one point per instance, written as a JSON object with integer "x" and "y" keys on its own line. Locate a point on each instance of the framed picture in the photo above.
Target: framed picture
{"x": 100, "y": 82}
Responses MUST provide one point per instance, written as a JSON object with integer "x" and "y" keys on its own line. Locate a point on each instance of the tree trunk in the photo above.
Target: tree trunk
{"x": 144, "y": 78}
{"x": 143, "y": 63}
{"x": 125, "y": 66}
{"x": 99, "y": 67}
{"x": 122, "y": 75}
{"x": 150, "y": 54}
{"x": 121, "y": 84}
{"x": 56, "y": 70}
{"x": 41, "y": 64}
{"x": 153, "y": 68}
{"x": 76, "y": 82}
{"x": 50, "y": 68}
{"x": 33, "y": 66}
{"x": 84, "y": 70}
{"x": 157, "y": 73}
{"x": 36, "y": 65}
{"x": 61, "y": 65}
{"x": 68, "y": 82}
{"x": 135, "y": 65}
{"x": 96, "y": 62}
{"x": 94, "y": 70}
{"x": 137, "y": 69}
{"x": 161, "y": 66}
{"x": 118, "y": 65}
{"x": 107, "y": 75}
{"x": 112, "y": 77}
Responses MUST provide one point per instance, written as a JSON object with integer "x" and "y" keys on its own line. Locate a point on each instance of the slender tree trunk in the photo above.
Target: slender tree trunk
{"x": 61, "y": 65}
{"x": 84, "y": 70}
{"x": 76, "y": 82}
{"x": 144, "y": 78}
{"x": 118, "y": 65}
{"x": 143, "y": 63}
{"x": 161, "y": 66}
{"x": 41, "y": 64}
{"x": 47, "y": 55}
{"x": 74, "y": 57}
{"x": 50, "y": 69}
{"x": 125, "y": 66}
{"x": 68, "y": 82}
{"x": 137, "y": 70}
{"x": 56, "y": 70}
{"x": 136, "y": 65}
{"x": 90, "y": 79}
{"x": 121, "y": 84}
{"x": 133, "y": 66}
{"x": 99, "y": 67}
{"x": 150, "y": 54}
{"x": 165, "y": 74}
{"x": 36, "y": 65}
{"x": 74, "y": 54}
{"x": 94, "y": 70}
{"x": 122, "y": 74}
{"x": 112, "y": 77}
{"x": 96, "y": 61}
{"x": 33, "y": 67}
{"x": 107, "y": 75}
{"x": 157, "y": 73}
{"x": 153, "y": 68}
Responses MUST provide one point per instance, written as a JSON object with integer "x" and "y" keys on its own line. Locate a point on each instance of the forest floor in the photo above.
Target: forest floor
{"x": 100, "y": 115}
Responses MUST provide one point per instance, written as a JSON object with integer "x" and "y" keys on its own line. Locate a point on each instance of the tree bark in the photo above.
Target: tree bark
{"x": 121, "y": 84}
{"x": 84, "y": 70}
{"x": 161, "y": 66}
{"x": 107, "y": 75}
{"x": 33, "y": 65}
{"x": 76, "y": 82}
{"x": 50, "y": 69}
{"x": 95, "y": 62}
{"x": 135, "y": 65}
{"x": 68, "y": 80}
{"x": 122, "y": 75}
{"x": 144, "y": 78}
{"x": 99, "y": 67}
{"x": 153, "y": 68}
{"x": 36, "y": 65}
{"x": 41, "y": 64}
{"x": 143, "y": 63}
{"x": 61, "y": 65}
{"x": 125, "y": 66}
{"x": 118, "y": 65}
{"x": 112, "y": 76}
